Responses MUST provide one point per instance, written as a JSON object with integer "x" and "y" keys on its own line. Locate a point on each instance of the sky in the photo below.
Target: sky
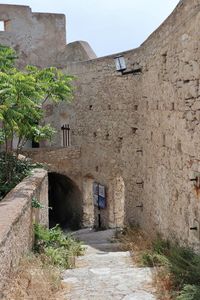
{"x": 109, "y": 26}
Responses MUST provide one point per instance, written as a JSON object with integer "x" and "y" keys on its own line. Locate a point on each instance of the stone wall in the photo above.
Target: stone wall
{"x": 104, "y": 121}
{"x": 64, "y": 161}
{"x": 76, "y": 51}
{"x": 39, "y": 38}
{"x": 27, "y": 33}
{"x": 16, "y": 221}
{"x": 139, "y": 134}
{"x": 68, "y": 162}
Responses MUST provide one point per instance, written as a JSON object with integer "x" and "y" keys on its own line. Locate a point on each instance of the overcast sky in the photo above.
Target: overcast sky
{"x": 109, "y": 26}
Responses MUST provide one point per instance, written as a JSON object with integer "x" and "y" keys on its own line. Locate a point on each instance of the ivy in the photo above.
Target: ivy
{"x": 36, "y": 204}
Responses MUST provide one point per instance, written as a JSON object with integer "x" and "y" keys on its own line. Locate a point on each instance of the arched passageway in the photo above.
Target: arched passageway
{"x": 65, "y": 200}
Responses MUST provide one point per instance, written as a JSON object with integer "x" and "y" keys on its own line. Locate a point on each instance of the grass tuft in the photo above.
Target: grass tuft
{"x": 34, "y": 280}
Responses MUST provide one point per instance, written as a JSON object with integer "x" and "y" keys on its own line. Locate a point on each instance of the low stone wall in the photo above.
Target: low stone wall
{"x": 16, "y": 221}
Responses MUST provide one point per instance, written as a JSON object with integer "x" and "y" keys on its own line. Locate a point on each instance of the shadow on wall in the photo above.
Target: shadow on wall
{"x": 65, "y": 199}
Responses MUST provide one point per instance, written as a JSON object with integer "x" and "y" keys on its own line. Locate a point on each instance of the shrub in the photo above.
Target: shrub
{"x": 184, "y": 265}
{"x": 58, "y": 249}
{"x": 177, "y": 267}
{"x": 190, "y": 292}
{"x": 161, "y": 246}
{"x": 152, "y": 259}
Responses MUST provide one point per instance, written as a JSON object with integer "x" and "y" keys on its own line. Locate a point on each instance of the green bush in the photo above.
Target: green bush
{"x": 157, "y": 255}
{"x": 152, "y": 259}
{"x": 190, "y": 292}
{"x": 181, "y": 262}
{"x": 178, "y": 267}
{"x": 58, "y": 248}
{"x": 161, "y": 246}
{"x": 184, "y": 266}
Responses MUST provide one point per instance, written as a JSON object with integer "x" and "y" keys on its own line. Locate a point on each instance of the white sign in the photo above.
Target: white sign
{"x": 102, "y": 192}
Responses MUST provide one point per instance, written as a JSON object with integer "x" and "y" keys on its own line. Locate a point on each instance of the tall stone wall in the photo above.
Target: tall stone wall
{"x": 170, "y": 140}
{"x": 104, "y": 121}
{"x": 139, "y": 134}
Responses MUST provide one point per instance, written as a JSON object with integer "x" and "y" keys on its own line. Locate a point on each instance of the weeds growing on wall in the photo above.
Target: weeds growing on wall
{"x": 12, "y": 171}
{"x": 177, "y": 275}
{"x": 56, "y": 247}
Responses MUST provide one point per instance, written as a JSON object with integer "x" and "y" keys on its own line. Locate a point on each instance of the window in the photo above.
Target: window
{"x": 2, "y": 26}
{"x": 5, "y": 25}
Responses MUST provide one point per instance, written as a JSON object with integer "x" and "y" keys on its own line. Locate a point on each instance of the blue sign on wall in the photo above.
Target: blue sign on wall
{"x": 99, "y": 195}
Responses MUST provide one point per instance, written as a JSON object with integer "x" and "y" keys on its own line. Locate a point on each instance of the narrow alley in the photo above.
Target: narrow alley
{"x": 106, "y": 273}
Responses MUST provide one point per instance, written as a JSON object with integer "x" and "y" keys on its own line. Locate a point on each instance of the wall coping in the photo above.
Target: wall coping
{"x": 16, "y": 201}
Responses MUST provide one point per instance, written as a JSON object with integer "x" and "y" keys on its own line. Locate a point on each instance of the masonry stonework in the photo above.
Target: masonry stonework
{"x": 139, "y": 134}
{"x": 16, "y": 221}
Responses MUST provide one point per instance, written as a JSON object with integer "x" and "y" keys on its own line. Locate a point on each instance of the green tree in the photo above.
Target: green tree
{"x": 22, "y": 94}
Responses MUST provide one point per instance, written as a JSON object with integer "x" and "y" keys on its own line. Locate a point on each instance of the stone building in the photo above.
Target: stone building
{"x": 136, "y": 134}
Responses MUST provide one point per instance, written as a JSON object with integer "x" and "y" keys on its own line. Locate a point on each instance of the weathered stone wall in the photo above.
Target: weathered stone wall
{"x": 170, "y": 93}
{"x": 16, "y": 221}
{"x": 39, "y": 38}
{"x": 76, "y": 51}
{"x": 66, "y": 161}
{"x": 104, "y": 122}
{"x": 139, "y": 133}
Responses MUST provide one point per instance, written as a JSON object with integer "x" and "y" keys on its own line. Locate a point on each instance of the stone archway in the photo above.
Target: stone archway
{"x": 65, "y": 202}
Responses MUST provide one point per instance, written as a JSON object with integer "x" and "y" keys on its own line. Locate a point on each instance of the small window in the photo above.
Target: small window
{"x": 2, "y": 26}
{"x": 5, "y": 25}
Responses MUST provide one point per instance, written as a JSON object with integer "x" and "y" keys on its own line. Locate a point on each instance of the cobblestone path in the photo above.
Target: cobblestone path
{"x": 105, "y": 273}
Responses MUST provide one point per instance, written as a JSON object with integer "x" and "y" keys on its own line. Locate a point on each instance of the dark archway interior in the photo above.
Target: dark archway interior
{"x": 65, "y": 199}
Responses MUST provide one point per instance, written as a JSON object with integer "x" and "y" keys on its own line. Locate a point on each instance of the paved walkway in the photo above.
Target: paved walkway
{"x": 105, "y": 273}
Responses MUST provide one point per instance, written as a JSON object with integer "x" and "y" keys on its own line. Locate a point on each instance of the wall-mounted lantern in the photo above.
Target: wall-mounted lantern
{"x": 120, "y": 65}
